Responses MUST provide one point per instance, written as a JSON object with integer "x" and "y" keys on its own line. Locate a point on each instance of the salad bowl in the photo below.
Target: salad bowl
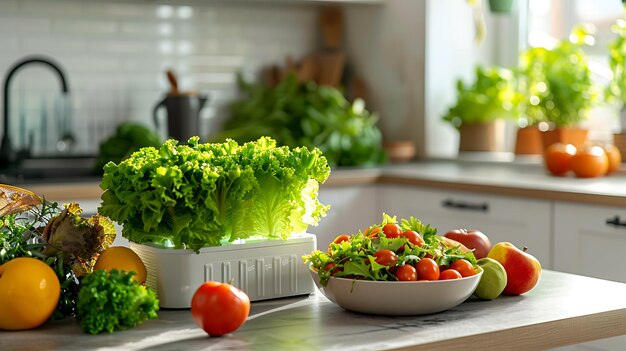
{"x": 397, "y": 298}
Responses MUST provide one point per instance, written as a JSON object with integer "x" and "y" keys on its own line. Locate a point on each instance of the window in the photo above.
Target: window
{"x": 550, "y": 20}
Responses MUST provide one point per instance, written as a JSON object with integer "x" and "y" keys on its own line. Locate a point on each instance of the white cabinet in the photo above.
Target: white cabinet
{"x": 352, "y": 208}
{"x": 523, "y": 222}
{"x": 590, "y": 240}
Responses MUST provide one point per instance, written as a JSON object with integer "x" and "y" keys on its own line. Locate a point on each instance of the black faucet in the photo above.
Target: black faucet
{"x": 8, "y": 156}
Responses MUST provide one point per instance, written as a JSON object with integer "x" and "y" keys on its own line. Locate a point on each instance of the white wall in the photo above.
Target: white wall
{"x": 387, "y": 47}
{"x": 409, "y": 52}
{"x": 451, "y": 53}
{"x": 115, "y": 55}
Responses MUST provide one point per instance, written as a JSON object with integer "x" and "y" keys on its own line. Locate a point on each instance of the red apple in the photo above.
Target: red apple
{"x": 472, "y": 239}
{"x": 523, "y": 270}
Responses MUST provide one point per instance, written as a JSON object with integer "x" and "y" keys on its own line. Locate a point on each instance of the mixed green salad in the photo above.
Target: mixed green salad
{"x": 379, "y": 252}
{"x": 197, "y": 195}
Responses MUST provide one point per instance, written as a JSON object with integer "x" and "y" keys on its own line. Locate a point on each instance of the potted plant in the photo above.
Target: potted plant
{"x": 616, "y": 90}
{"x": 501, "y": 6}
{"x": 482, "y": 106}
{"x": 558, "y": 88}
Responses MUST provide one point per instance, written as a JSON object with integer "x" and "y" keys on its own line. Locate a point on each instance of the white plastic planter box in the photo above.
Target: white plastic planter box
{"x": 264, "y": 269}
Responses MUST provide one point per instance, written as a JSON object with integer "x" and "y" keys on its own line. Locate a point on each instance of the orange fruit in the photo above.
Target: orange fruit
{"x": 590, "y": 162}
{"x": 29, "y": 293}
{"x": 122, "y": 258}
{"x": 615, "y": 157}
{"x": 558, "y": 158}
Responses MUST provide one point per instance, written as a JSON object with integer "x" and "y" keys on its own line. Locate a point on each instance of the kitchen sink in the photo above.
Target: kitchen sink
{"x": 38, "y": 170}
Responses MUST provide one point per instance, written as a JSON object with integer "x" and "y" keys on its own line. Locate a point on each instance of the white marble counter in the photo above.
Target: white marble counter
{"x": 563, "y": 309}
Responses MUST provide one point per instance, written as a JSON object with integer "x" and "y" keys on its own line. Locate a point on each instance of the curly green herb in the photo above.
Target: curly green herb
{"x": 114, "y": 301}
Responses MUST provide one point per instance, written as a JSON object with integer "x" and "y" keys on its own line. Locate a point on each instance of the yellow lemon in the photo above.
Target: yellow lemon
{"x": 123, "y": 259}
{"x": 29, "y": 293}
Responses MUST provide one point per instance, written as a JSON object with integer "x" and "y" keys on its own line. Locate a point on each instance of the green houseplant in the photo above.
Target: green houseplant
{"x": 617, "y": 62}
{"x": 558, "y": 87}
{"x": 616, "y": 90}
{"x": 501, "y": 6}
{"x": 480, "y": 106}
{"x": 306, "y": 114}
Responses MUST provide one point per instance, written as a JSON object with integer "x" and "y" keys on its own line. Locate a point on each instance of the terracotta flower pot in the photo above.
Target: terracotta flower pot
{"x": 479, "y": 137}
{"x": 528, "y": 141}
{"x": 574, "y": 136}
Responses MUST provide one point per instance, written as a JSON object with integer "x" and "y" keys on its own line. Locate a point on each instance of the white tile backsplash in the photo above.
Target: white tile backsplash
{"x": 115, "y": 56}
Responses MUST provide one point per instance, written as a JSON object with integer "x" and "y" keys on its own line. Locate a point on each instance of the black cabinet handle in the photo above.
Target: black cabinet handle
{"x": 615, "y": 221}
{"x": 461, "y": 205}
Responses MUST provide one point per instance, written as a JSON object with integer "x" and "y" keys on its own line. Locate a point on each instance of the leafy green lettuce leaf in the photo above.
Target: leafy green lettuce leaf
{"x": 200, "y": 195}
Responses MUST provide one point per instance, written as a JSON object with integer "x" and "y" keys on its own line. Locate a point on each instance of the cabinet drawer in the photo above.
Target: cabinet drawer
{"x": 590, "y": 240}
{"x": 523, "y": 222}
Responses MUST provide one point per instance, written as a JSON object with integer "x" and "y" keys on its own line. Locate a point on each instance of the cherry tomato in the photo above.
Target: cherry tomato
{"x": 590, "y": 162}
{"x": 392, "y": 230}
{"x": 341, "y": 238}
{"x": 331, "y": 267}
{"x": 386, "y": 257}
{"x": 450, "y": 274}
{"x": 219, "y": 308}
{"x": 371, "y": 232}
{"x": 464, "y": 267}
{"x": 338, "y": 240}
{"x": 427, "y": 269}
{"x": 406, "y": 273}
{"x": 558, "y": 158}
{"x": 413, "y": 237}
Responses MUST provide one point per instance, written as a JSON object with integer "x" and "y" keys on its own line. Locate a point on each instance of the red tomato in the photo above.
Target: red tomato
{"x": 427, "y": 269}
{"x": 450, "y": 274}
{"x": 558, "y": 158}
{"x": 413, "y": 237}
{"x": 386, "y": 257}
{"x": 341, "y": 238}
{"x": 371, "y": 232}
{"x": 590, "y": 162}
{"x": 392, "y": 230}
{"x": 464, "y": 267}
{"x": 330, "y": 266}
{"x": 406, "y": 273}
{"x": 219, "y": 308}
{"x": 338, "y": 240}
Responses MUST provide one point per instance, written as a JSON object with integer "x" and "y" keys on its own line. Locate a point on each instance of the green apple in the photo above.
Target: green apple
{"x": 493, "y": 281}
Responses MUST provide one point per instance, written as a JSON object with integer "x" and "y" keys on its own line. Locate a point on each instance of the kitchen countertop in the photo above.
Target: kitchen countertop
{"x": 523, "y": 179}
{"x": 563, "y": 309}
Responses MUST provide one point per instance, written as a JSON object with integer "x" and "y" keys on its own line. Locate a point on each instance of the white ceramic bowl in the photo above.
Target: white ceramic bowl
{"x": 397, "y": 298}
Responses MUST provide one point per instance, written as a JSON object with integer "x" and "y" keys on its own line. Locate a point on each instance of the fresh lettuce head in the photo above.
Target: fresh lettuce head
{"x": 199, "y": 195}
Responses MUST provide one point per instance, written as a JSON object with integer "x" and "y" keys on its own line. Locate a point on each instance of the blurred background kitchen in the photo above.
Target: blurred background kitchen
{"x": 402, "y": 57}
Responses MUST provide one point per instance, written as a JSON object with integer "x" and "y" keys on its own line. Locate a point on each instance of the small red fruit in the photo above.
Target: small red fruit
{"x": 219, "y": 308}
{"x": 590, "y": 162}
{"x": 558, "y": 158}
{"x": 472, "y": 239}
